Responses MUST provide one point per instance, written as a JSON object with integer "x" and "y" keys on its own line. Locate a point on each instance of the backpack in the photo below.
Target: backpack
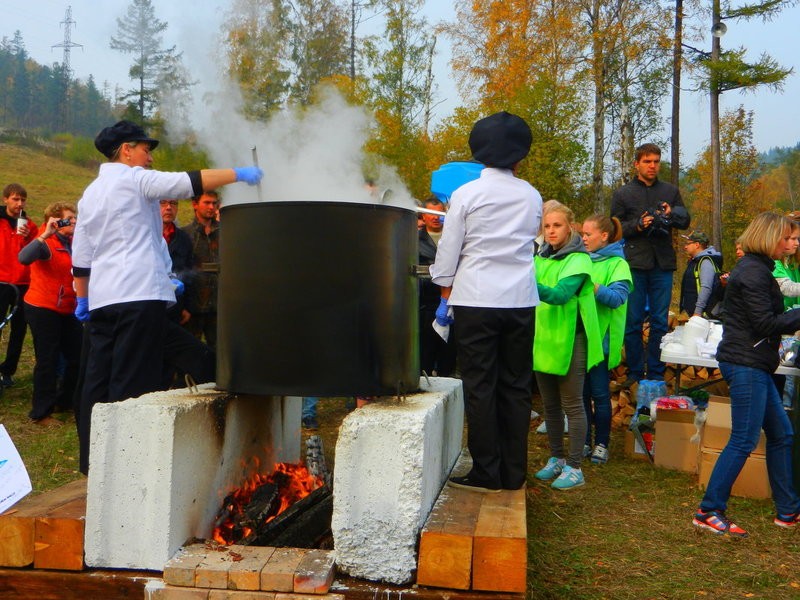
{"x": 714, "y": 305}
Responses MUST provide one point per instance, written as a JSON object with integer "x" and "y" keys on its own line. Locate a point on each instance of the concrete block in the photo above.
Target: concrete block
{"x": 392, "y": 458}
{"x": 161, "y": 465}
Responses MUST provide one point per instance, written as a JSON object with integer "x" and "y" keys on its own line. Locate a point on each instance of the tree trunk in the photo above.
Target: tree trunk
{"x": 716, "y": 185}
{"x": 599, "y": 76}
{"x": 677, "y": 58}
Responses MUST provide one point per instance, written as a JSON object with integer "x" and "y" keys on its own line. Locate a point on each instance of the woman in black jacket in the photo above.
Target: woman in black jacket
{"x": 748, "y": 355}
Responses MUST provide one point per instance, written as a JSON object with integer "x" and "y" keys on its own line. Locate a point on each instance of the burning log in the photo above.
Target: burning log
{"x": 249, "y": 510}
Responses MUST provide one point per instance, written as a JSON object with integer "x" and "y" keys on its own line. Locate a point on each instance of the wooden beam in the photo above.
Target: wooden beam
{"x": 445, "y": 549}
{"x": 500, "y": 553}
{"x": 18, "y": 526}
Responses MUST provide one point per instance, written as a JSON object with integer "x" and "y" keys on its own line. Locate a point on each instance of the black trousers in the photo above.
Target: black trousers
{"x": 495, "y": 355}
{"x": 434, "y": 353}
{"x": 54, "y": 335}
{"x": 18, "y": 326}
{"x": 125, "y": 359}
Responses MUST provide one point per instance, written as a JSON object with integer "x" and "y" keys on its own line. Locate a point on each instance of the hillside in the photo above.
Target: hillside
{"x": 46, "y": 178}
{"x": 49, "y": 179}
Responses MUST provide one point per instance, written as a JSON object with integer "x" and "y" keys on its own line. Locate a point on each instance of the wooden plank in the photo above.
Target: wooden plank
{"x": 37, "y": 584}
{"x": 500, "y": 556}
{"x": 180, "y": 569}
{"x": 212, "y": 572}
{"x": 171, "y": 592}
{"x": 314, "y": 574}
{"x": 18, "y": 524}
{"x": 278, "y": 574}
{"x": 59, "y": 537}
{"x": 246, "y": 573}
{"x": 445, "y": 553}
{"x": 240, "y": 595}
{"x": 282, "y": 596}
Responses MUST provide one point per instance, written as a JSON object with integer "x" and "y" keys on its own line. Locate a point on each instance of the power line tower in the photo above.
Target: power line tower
{"x": 67, "y": 45}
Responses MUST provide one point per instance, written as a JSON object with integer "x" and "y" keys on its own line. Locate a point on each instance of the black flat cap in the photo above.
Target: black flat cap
{"x": 500, "y": 140}
{"x": 108, "y": 140}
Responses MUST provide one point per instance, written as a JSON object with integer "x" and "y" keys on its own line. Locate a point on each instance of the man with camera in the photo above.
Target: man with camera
{"x": 649, "y": 210}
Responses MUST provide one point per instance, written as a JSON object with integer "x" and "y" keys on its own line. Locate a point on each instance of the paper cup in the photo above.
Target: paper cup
{"x": 21, "y": 222}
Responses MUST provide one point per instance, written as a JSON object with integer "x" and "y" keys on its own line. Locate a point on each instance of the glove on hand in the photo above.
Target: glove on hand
{"x": 82, "y": 310}
{"x": 250, "y": 175}
{"x": 441, "y": 314}
{"x": 178, "y": 285}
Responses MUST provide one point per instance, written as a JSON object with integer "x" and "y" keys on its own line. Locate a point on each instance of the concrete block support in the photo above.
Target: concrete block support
{"x": 161, "y": 465}
{"x": 392, "y": 458}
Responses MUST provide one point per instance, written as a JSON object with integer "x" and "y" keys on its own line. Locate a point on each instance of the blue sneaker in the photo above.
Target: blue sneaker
{"x": 552, "y": 469}
{"x": 587, "y": 451}
{"x": 569, "y": 478}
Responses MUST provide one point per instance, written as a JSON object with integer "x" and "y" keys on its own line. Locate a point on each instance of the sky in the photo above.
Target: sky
{"x": 193, "y": 26}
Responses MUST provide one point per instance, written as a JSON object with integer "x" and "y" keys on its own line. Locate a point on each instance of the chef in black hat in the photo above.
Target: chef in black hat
{"x": 484, "y": 265}
{"x": 122, "y": 267}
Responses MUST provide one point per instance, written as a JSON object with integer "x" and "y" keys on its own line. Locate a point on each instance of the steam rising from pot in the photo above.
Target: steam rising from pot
{"x": 307, "y": 154}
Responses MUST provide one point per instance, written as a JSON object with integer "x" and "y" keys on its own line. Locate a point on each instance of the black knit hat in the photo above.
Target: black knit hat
{"x": 108, "y": 140}
{"x": 500, "y": 140}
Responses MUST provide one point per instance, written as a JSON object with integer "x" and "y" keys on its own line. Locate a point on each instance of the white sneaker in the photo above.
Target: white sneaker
{"x": 599, "y": 455}
{"x": 543, "y": 427}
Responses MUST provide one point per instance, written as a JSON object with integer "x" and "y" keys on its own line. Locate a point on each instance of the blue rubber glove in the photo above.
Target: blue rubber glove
{"x": 82, "y": 309}
{"x": 177, "y": 284}
{"x": 441, "y": 314}
{"x": 250, "y": 175}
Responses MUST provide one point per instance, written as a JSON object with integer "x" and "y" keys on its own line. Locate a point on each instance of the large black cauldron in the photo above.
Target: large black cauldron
{"x": 317, "y": 299}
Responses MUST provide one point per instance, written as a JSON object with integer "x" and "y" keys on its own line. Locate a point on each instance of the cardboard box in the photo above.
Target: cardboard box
{"x": 674, "y": 430}
{"x": 717, "y": 429}
{"x": 633, "y": 449}
{"x": 752, "y": 481}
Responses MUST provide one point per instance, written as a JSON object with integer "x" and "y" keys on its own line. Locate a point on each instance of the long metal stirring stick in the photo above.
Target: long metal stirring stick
{"x": 255, "y": 163}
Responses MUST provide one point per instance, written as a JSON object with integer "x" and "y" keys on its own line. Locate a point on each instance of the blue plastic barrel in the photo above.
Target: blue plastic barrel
{"x": 451, "y": 176}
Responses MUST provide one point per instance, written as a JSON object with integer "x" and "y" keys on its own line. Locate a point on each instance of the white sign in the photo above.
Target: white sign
{"x": 14, "y": 481}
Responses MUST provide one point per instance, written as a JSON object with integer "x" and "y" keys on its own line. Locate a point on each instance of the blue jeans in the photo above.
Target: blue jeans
{"x": 755, "y": 405}
{"x": 652, "y": 292}
{"x": 598, "y": 413}
{"x": 309, "y": 410}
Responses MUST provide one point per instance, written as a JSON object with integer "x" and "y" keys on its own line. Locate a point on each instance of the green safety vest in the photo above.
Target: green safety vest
{"x": 612, "y": 320}
{"x": 554, "y": 336}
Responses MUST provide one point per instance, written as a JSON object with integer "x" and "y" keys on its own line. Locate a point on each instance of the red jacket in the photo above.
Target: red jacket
{"x": 51, "y": 280}
{"x": 11, "y": 271}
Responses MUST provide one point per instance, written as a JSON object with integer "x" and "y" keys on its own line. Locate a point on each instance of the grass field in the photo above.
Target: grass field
{"x": 625, "y": 534}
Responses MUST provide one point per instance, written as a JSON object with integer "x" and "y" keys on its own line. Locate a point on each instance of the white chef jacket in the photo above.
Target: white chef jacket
{"x": 486, "y": 250}
{"x": 118, "y": 234}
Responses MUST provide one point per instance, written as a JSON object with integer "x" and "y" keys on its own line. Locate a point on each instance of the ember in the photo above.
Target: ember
{"x": 260, "y": 500}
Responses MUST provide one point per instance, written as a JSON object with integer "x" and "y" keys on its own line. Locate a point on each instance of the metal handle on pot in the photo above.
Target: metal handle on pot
{"x": 421, "y": 271}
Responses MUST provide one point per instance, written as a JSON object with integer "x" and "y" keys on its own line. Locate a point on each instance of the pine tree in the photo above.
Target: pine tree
{"x": 139, "y": 33}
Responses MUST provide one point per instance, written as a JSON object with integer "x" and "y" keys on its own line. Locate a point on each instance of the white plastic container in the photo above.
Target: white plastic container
{"x": 695, "y": 329}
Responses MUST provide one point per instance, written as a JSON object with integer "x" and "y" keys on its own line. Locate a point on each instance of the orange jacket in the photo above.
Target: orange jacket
{"x": 11, "y": 270}
{"x": 51, "y": 280}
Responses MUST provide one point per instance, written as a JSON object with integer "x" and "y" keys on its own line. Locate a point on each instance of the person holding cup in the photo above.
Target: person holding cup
{"x": 16, "y": 231}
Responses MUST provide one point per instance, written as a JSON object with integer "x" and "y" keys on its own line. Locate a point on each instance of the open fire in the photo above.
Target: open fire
{"x": 260, "y": 500}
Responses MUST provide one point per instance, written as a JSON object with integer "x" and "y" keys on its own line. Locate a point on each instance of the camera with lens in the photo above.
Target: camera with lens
{"x": 63, "y": 222}
{"x": 661, "y": 222}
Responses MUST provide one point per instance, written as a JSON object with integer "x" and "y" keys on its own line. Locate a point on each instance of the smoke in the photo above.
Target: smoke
{"x": 307, "y": 154}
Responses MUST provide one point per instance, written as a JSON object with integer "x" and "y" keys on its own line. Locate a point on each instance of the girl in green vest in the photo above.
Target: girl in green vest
{"x": 612, "y": 281}
{"x": 566, "y": 342}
